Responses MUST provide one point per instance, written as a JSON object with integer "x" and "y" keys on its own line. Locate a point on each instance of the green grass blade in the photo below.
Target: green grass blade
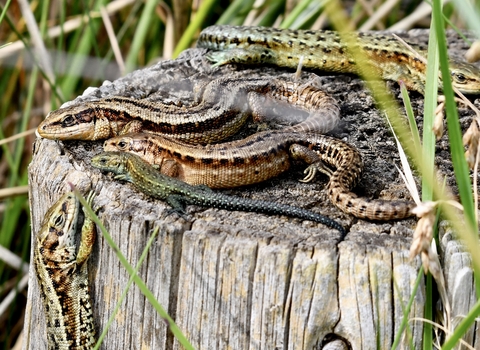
{"x": 469, "y": 13}
{"x": 127, "y": 288}
{"x": 411, "y": 117}
{"x": 235, "y": 13}
{"x": 428, "y": 161}
{"x": 468, "y": 232}
{"x": 4, "y": 10}
{"x": 271, "y": 13}
{"x": 462, "y": 327}
{"x": 431, "y": 95}
{"x": 296, "y": 12}
{"x": 187, "y": 37}
{"x": 406, "y": 311}
{"x": 14, "y": 207}
{"x": 428, "y": 313}
{"x": 81, "y": 52}
{"x": 144, "y": 25}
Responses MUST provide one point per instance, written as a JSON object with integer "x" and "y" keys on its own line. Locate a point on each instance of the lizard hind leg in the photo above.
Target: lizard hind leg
{"x": 310, "y": 157}
{"x": 88, "y": 233}
{"x": 178, "y": 206}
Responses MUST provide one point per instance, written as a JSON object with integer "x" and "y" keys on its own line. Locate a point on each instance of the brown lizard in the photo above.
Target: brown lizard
{"x": 260, "y": 157}
{"x": 63, "y": 277}
{"x": 225, "y": 106}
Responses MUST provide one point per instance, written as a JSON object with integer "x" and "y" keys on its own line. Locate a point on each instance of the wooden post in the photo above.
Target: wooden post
{"x": 233, "y": 279}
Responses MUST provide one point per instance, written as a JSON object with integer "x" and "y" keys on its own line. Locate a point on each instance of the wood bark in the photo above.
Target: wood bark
{"x": 244, "y": 280}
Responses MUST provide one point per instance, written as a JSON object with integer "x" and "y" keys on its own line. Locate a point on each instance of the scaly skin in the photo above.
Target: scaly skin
{"x": 177, "y": 194}
{"x": 62, "y": 275}
{"x": 324, "y": 50}
{"x": 260, "y": 157}
{"x": 226, "y": 105}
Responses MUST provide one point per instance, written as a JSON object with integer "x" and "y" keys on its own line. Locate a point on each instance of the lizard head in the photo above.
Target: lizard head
{"x": 465, "y": 77}
{"x": 151, "y": 148}
{"x": 57, "y": 235}
{"x": 122, "y": 143}
{"x": 77, "y": 122}
{"x": 116, "y": 162}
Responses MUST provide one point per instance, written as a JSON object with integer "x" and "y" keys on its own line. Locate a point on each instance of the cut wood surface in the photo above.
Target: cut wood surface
{"x": 242, "y": 280}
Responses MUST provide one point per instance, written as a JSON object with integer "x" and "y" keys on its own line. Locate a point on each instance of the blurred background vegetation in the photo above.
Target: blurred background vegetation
{"x": 51, "y": 51}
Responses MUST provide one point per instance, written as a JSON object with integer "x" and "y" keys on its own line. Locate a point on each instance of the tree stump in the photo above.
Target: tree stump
{"x": 244, "y": 280}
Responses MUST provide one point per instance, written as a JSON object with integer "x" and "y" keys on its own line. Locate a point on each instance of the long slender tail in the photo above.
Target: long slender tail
{"x": 219, "y": 200}
{"x": 348, "y": 166}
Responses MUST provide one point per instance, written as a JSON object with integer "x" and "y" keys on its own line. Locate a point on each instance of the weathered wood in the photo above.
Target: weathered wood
{"x": 243, "y": 280}
{"x": 459, "y": 279}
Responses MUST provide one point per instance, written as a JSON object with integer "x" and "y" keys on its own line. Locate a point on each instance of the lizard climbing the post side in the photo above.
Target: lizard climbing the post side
{"x": 62, "y": 275}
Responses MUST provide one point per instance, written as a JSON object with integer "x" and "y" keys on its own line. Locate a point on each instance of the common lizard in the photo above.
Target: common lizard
{"x": 260, "y": 157}
{"x": 324, "y": 50}
{"x": 62, "y": 275}
{"x": 177, "y": 194}
{"x": 224, "y": 108}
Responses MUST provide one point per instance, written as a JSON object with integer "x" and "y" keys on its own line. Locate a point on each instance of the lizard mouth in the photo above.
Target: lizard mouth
{"x": 54, "y": 131}
{"x": 474, "y": 90}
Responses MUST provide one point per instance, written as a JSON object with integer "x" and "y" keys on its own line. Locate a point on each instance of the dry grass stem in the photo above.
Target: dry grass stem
{"x": 67, "y": 27}
{"x": 320, "y": 22}
{"x": 13, "y": 191}
{"x": 445, "y": 330}
{"x": 13, "y": 260}
{"x": 423, "y": 11}
{"x": 473, "y": 54}
{"x": 12, "y": 294}
{"x": 471, "y": 139}
{"x": 38, "y": 43}
{"x": 17, "y": 136}
{"x": 409, "y": 47}
{"x": 255, "y": 13}
{"x": 166, "y": 15}
{"x": 407, "y": 174}
{"x": 368, "y": 9}
{"x": 435, "y": 268}
{"x": 423, "y": 235}
{"x": 378, "y": 15}
{"x": 298, "y": 72}
{"x": 438, "y": 121}
{"x": 113, "y": 39}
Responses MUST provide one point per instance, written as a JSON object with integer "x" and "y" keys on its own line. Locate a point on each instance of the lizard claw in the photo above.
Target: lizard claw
{"x": 313, "y": 169}
{"x": 310, "y": 172}
{"x": 90, "y": 198}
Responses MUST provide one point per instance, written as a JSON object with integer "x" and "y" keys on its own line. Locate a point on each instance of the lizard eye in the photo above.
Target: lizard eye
{"x": 459, "y": 78}
{"x": 68, "y": 120}
{"x": 122, "y": 144}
